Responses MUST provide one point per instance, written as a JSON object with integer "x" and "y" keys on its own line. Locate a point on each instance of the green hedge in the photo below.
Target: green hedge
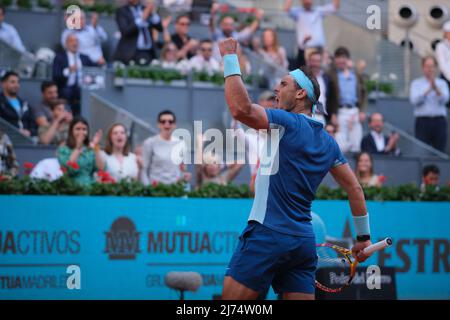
{"x": 66, "y": 186}
{"x": 157, "y": 73}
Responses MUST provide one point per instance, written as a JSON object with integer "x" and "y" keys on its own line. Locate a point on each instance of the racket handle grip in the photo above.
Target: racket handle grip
{"x": 377, "y": 246}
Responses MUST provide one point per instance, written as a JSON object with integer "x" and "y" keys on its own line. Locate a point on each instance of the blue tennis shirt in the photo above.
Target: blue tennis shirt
{"x": 304, "y": 154}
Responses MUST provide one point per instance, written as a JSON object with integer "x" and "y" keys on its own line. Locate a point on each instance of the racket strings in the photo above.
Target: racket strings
{"x": 328, "y": 257}
{"x": 335, "y": 269}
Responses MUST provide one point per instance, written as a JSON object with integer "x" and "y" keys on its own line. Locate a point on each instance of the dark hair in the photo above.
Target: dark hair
{"x": 424, "y": 59}
{"x": 431, "y": 168}
{"x": 307, "y": 71}
{"x": 342, "y": 52}
{"x": 108, "y": 142}
{"x": 71, "y": 142}
{"x": 53, "y": 104}
{"x": 357, "y": 158}
{"x": 2, "y": 8}
{"x": 9, "y": 74}
{"x": 47, "y": 84}
{"x": 181, "y": 16}
{"x": 315, "y": 51}
{"x": 167, "y": 112}
{"x": 206, "y": 41}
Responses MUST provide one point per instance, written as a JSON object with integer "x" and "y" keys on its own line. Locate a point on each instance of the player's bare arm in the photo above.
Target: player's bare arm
{"x": 345, "y": 177}
{"x": 238, "y": 100}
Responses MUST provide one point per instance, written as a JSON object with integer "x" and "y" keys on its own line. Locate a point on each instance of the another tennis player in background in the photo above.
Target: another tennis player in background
{"x": 278, "y": 246}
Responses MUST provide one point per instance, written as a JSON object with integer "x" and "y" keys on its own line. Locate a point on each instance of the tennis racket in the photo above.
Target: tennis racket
{"x": 342, "y": 260}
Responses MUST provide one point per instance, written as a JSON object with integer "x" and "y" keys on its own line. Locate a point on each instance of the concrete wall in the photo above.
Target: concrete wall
{"x": 422, "y": 34}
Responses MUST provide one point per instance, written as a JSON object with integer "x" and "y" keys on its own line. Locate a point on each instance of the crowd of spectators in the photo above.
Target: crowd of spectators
{"x": 145, "y": 39}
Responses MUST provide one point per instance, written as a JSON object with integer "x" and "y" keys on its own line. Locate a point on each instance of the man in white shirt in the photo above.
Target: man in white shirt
{"x": 90, "y": 38}
{"x": 204, "y": 60}
{"x": 309, "y": 25}
{"x": 376, "y": 142}
{"x": 9, "y": 34}
{"x": 429, "y": 95}
{"x": 443, "y": 55}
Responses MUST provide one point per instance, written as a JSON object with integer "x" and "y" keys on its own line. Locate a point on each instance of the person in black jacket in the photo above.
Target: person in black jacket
{"x": 375, "y": 142}
{"x": 67, "y": 72}
{"x": 136, "y": 23}
{"x": 13, "y": 109}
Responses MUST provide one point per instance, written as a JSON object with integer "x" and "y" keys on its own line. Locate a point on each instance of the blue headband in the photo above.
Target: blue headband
{"x": 304, "y": 83}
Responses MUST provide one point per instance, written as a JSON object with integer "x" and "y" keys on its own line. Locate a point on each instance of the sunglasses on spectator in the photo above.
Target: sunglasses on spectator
{"x": 166, "y": 121}
{"x": 184, "y": 23}
{"x": 206, "y": 49}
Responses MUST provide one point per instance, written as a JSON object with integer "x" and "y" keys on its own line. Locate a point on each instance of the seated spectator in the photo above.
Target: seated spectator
{"x": 56, "y": 132}
{"x": 169, "y": 59}
{"x": 376, "y": 142}
{"x": 204, "y": 60}
{"x": 90, "y": 38}
{"x": 429, "y": 95}
{"x": 364, "y": 171}
{"x": 80, "y": 158}
{"x": 118, "y": 161}
{"x": 42, "y": 112}
{"x": 211, "y": 172}
{"x": 67, "y": 72}
{"x": 8, "y": 33}
{"x": 430, "y": 177}
{"x": 271, "y": 51}
{"x": 159, "y": 166}
{"x": 13, "y": 108}
{"x": 187, "y": 46}
{"x": 9, "y": 167}
{"x": 136, "y": 23}
{"x": 227, "y": 29}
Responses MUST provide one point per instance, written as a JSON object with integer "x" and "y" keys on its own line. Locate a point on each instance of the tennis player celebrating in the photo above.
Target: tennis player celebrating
{"x": 278, "y": 246}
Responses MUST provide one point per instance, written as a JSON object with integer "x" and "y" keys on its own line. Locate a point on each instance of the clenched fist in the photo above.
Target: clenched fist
{"x": 228, "y": 46}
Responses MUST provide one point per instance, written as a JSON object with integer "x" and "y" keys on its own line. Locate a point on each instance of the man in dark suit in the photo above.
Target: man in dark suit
{"x": 375, "y": 141}
{"x": 14, "y": 109}
{"x": 67, "y": 72}
{"x": 136, "y": 23}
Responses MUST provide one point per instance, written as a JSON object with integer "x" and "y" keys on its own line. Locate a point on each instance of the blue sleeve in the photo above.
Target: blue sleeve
{"x": 340, "y": 159}
{"x": 293, "y": 13}
{"x": 282, "y": 118}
